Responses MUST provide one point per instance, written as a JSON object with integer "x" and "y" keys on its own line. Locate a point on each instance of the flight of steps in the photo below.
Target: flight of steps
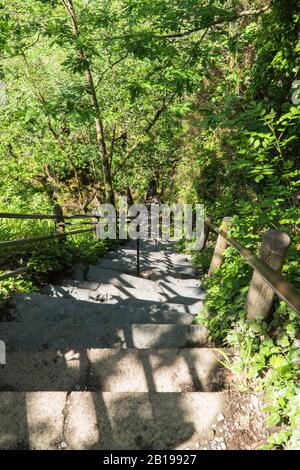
{"x": 111, "y": 361}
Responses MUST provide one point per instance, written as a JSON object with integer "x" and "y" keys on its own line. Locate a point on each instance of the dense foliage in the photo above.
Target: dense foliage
{"x": 104, "y": 97}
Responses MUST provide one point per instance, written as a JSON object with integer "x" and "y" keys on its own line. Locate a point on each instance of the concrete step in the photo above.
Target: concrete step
{"x": 113, "y": 370}
{"x": 32, "y": 307}
{"x": 115, "y": 278}
{"x": 86, "y": 334}
{"x": 166, "y": 290}
{"x": 173, "y": 291}
{"x": 103, "y": 293}
{"x": 157, "y": 267}
{"x": 171, "y": 258}
{"x": 114, "y": 421}
{"x": 145, "y": 247}
{"x": 152, "y": 245}
{"x": 184, "y": 281}
{"x": 130, "y": 253}
{"x": 178, "y": 259}
{"x": 110, "y": 294}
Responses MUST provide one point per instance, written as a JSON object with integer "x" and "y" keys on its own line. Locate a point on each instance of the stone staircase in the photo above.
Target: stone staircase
{"x": 112, "y": 361}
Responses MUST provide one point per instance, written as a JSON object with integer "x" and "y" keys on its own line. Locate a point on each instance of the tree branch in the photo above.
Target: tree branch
{"x": 148, "y": 127}
{"x": 235, "y": 16}
{"x": 111, "y": 66}
{"x": 230, "y": 16}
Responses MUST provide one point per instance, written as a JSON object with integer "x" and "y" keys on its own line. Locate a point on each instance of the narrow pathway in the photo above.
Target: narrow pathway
{"x": 112, "y": 361}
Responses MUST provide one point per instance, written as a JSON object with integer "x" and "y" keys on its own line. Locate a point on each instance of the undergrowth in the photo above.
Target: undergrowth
{"x": 268, "y": 354}
{"x": 44, "y": 258}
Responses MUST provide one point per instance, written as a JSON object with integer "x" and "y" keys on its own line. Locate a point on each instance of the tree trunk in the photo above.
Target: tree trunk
{"x": 107, "y": 177}
{"x": 129, "y": 196}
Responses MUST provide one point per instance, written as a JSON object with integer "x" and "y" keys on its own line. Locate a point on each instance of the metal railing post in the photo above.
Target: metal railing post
{"x": 138, "y": 257}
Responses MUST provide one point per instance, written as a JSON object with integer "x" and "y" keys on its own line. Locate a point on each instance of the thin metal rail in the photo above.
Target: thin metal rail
{"x": 138, "y": 257}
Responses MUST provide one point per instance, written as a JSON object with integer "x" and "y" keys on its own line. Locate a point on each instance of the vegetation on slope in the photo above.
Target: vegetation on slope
{"x": 105, "y": 97}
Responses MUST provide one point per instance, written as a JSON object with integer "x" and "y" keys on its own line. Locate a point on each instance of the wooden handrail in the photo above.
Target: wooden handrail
{"x": 25, "y": 241}
{"x": 14, "y": 273}
{"x": 8, "y": 215}
{"x": 60, "y": 234}
{"x": 284, "y": 289}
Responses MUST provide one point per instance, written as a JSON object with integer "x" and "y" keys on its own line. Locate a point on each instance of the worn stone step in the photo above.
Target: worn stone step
{"x": 153, "y": 267}
{"x": 86, "y": 334}
{"x": 152, "y": 245}
{"x": 110, "y": 294}
{"x": 171, "y": 261}
{"x": 32, "y": 307}
{"x": 130, "y": 253}
{"x": 184, "y": 281}
{"x": 107, "y": 276}
{"x": 173, "y": 291}
{"x": 100, "y": 293}
{"x": 115, "y": 278}
{"x": 171, "y": 258}
{"x": 163, "y": 288}
{"x": 114, "y": 421}
{"x": 114, "y": 370}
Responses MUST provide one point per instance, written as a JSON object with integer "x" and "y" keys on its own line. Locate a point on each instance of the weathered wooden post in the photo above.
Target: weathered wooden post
{"x": 220, "y": 247}
{"x": 59, "y": 222}
{"x": 97, "y": 222}
{"x": 272, "y": 251}
{"x": 206, "y": 232}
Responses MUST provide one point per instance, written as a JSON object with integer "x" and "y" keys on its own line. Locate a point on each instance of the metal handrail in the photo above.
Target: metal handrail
{"x": 284, "y": 289}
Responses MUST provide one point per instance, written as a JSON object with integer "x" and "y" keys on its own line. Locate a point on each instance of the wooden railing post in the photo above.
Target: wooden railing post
{"x": 59, "y": 222}
{"x": 206, "y": 232}
{"x": 220, "y": 247}
{"x": 272, "y": 251}
{"x": 97, "y": 225}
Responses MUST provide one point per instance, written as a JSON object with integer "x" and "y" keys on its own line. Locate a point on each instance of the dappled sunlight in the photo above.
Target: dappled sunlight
{"x": 45, "y": 419}
{"x": 112, "y": 375}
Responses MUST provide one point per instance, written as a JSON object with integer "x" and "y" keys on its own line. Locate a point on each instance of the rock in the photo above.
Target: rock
{"x": 297, "y": 343}
{"x": 63, "y": 445}
{"x": 220, "y": 417}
